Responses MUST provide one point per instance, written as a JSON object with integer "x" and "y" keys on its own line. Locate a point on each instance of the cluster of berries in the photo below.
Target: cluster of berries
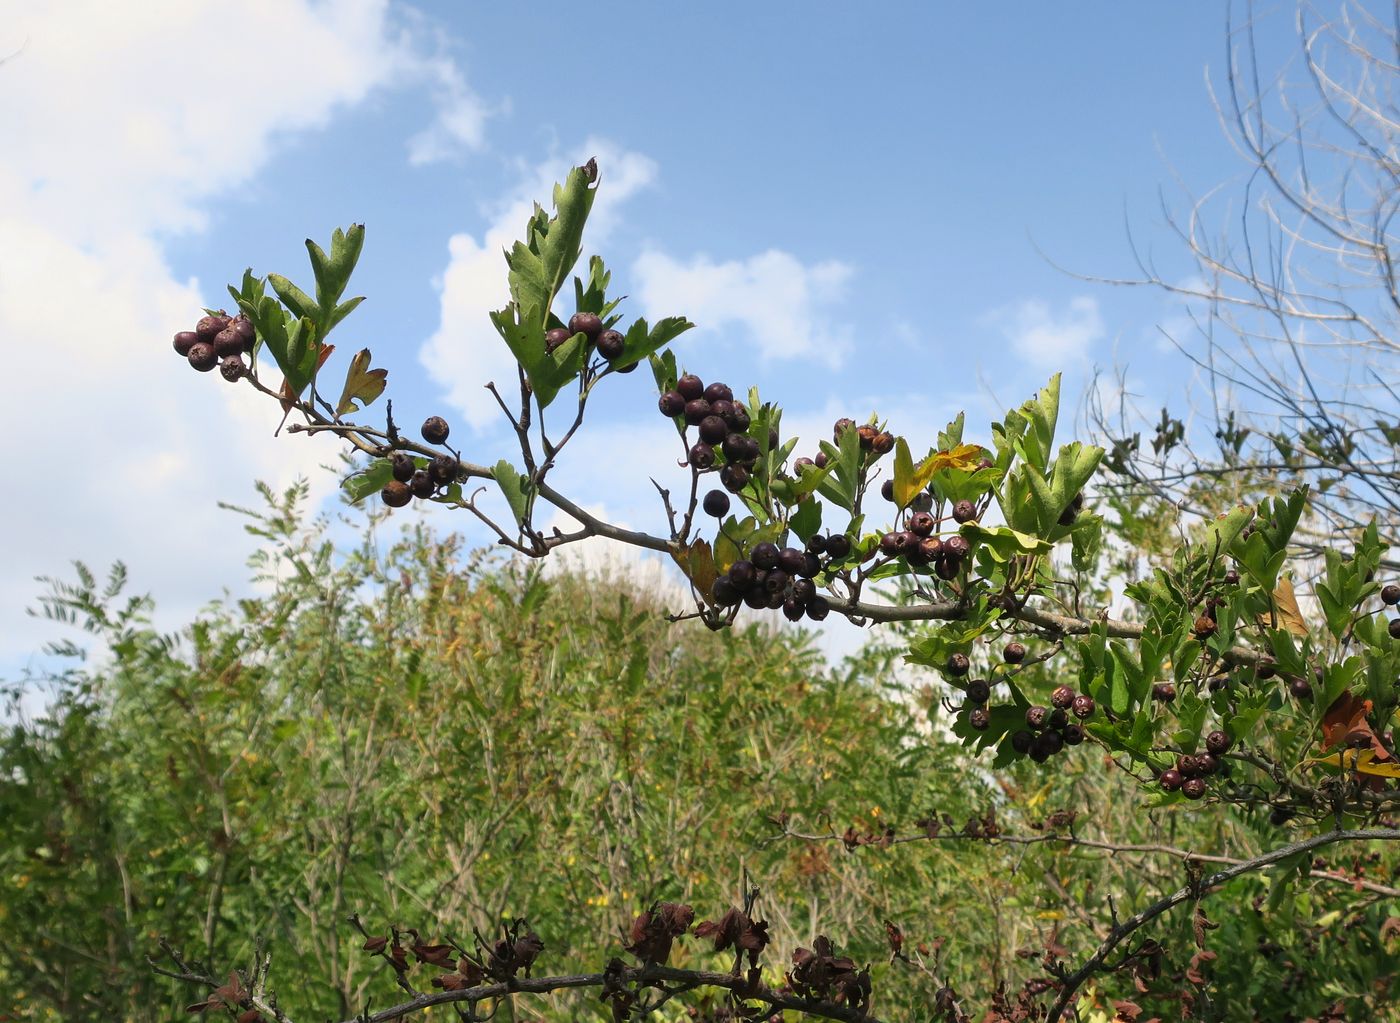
{"x": 409, "y": 480}
{"x": 775, "y": 577}
{"x": 609, "y": 343}
{"x": 218, "y": 340}
{"x": 1048, "y": 729}
{"x": 1390, "y": 596}
{"x": 917, "y": 544}
{"x": 1190, "y": 773}
{"x": 723, "y": 424}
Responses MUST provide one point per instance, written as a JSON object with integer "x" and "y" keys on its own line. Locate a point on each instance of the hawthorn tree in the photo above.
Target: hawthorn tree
{"x": 1214, "y": 693}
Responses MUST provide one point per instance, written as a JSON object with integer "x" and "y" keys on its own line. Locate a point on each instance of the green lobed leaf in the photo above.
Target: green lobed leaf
{"x": 370, "y": 480}
{"x": 516, "y": 488}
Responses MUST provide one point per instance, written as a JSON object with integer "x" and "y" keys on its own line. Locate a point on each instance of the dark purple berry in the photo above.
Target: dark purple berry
{"x": 422, "y": 484}
{"x": 867, "y": 434}
{"x": 964, "y": 511}
{"x": 1057, "y": 719}
{"x": 820, "y": 460}
{"x": 723, "y": 409}
{"x": 733, "y": 478}
{"x": 956, "y": 547}
{"x": 208, "y": 326}
{"x": 1193, "y": 788}
{"x": 233, "y": 369}
{"x": 1300, "y": 689}
{"x": 891, "y": 544}
{"x": 765, "y": 556}
{"x": 756, "y": 598}
{"x": 776, "y": 581}
{"x": 921, "y": 523}
{"x": 396, "y": 494}
{"x": 887, "y": 490}
{"x": 555, "y": 337}
{"x": 1073, "y": 733}
{"x": 725, "y": 593}
{"x": 840, "y": 427}
{"x": 435, "y": 430}
{"x": 791, "y": 560}
{"x": 1206, "y": 763}
{"x": 1232, "y": 577}
{"x": 690, "y": 387}
{"x": 228, "y": 342}
{"x": 979, "y": 719}
{"x": 587, "y": 324}
{"x": 184, "y": 341}
{"x": 702, "y": 456}
{"x": 718, "y": 392}
{"x": 696, "y": 410}
{"x": 1170, "y": 779}
{"x": 1083, "y": 706}
{"x": 736, "y": 447}
{"x": 930, "y": 549}
{"x": 947, "y": 568}
{"x": 957, "y": 665}
{"x": 1390, "y": 592}
{"x": 1021, "y": 741}
{"x": 816, "y": 544}
{"x": 1394, "y": 628}
{"x": 793, "y": 609}
{"x": 402, "y": 466}
{"x": 1036, "y": 717}
{"x": 246, "y": 331}
{"x": 671, "y": 404}
{"x": 1164, "y": 692}
{"x": 978, "y": 691}
{"x": 610, "y": 344}
{"x": 740, "y": 419}
{"x": 1014, "y": 653}
{"x": 1218, "y": 743}
{"x": 818, "y": 608}
{"x": 1187, "y": 765}
{"x": 1063, "y": 697}
{"x": 838, "y": 545}
{"x": 716, "y": 503}
{"x": 202, "y": 356}
{"x": 882, "y": 444}
{"x": 713, "y": 430}
{"x": 443, "y": 469}
{"x": 804, "y": 590}
{"x": 743, "y": 575}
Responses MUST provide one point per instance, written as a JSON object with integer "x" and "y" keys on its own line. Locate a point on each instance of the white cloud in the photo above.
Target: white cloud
{"x": 1046, "y": 338}
{"x": 777, "y": 301}
{"x": 120, "y": 123}
{"x": 465, "y": 352}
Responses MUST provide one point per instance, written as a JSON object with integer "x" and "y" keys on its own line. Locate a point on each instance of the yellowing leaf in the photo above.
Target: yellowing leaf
{"x": 1361, "y": 761}
{"x": 910, "y": 479}
{"x": 1286, "y": 605}
{"x": 698, "y": 563}
{"x": 964, "y": 456}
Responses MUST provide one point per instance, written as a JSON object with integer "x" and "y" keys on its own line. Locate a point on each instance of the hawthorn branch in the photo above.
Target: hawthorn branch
{"x": 1071, "y": 840}
{"x": 1096, "y": 962}
{"x": 648, "y": 975}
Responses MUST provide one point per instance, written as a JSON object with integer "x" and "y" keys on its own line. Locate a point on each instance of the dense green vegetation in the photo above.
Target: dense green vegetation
{"x": 440, "y": 740}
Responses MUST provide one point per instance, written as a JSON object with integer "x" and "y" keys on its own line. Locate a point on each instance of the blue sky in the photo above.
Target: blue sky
{"x": 847, "y": 199}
